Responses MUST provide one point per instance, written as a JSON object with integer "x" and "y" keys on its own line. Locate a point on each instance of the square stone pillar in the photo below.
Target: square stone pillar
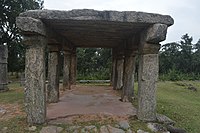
{"x": 35, "y": 94}
{"x": 129, "y": 72}
{"x": 119, "y": 72}
{"x": 66, "y": 70}
{"x": 3, "y": 68}
{"x": 113, "y": 67}
{"x": 73, "y": 68}
{"x": 148, "y": 70}
{"x": 53, "y": 74}
{"x": 34, "y": 32}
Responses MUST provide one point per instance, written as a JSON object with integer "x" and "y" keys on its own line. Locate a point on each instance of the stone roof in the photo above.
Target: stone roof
{"x": 91, "y": 28}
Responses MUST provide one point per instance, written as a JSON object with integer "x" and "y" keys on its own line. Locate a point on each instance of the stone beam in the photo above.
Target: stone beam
{"x": 30, "y": 25}
{"x": 53, "y": 73}
{"x": 156, "y": 33}
{"x": 3, "y": 68}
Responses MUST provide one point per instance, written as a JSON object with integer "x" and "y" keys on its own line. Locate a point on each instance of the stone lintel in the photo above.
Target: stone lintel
{"x": 30, "y": 25}
{"x": 156, "y": 33}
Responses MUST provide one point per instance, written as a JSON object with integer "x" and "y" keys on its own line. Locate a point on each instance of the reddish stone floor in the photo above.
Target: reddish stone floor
{"x": 89, "y": 100}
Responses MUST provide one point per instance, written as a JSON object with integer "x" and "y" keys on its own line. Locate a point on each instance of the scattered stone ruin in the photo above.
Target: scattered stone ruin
{"x": 3, "y": 68}
{"x": 127, "y": 33}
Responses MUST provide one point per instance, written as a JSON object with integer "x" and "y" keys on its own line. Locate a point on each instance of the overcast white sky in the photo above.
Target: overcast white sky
{"x": 186, "y": 13}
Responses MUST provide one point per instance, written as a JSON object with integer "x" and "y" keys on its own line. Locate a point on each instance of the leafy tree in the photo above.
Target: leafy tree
{"x": 93, "y": 63}
{"x": 9, "y": 10}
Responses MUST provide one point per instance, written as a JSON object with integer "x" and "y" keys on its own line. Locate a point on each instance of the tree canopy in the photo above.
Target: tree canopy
{"x": 181, "y": 58}
{"x": 9, "y": 33}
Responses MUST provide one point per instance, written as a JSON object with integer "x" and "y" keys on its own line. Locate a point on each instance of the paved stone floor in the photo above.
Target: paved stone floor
{"x": 89, "y": 100}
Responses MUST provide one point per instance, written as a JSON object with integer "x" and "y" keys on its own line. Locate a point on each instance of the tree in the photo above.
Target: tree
{"x": 9, "y": 33}
{"x": 94, "y": 63}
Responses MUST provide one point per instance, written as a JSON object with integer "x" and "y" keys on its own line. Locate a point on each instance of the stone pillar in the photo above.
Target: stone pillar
{"x": 129, "y": 72}
{"x": 3, "y": 68}
{"x": 53, "y": 74}
{"x": 66, "y": 70}
{"x": 35, "y": 95}
{"x": 148, "y": 71}
{"x": 119, "y": 71}
{"x": 73, "y": 68}
{"x": 113, "y": 67}
{"x": 34, "y": 32}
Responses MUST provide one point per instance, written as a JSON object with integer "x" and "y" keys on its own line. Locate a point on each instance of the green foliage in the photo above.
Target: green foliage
{"x": 93, "y": 63}
{"x": 180, "y": 60}
{"x": 9, "y": 33}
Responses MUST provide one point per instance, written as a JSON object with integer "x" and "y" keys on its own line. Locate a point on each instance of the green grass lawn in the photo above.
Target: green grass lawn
{"x": 177, "y": 102}
{"x": 180, "y": 104}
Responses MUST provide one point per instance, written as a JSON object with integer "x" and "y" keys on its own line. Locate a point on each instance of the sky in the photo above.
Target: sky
{"x": 186, "y": 13}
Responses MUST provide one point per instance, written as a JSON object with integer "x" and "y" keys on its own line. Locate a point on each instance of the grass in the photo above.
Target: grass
{"x": 180, "y": 104}
{"x": 175, "y": 101}
{"x": 14, "y": 95}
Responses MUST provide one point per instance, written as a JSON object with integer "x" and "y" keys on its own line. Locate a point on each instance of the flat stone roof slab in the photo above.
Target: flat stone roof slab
{"x": 92, "y": 28}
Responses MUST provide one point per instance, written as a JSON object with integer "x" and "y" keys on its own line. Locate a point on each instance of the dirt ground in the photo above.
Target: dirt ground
{"x": 86, "y": 103}
{"x": 8, "y": 111}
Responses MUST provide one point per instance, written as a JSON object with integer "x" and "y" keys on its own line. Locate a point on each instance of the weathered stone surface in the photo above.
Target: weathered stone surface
{"x": 124, "y": 125}
{"x": 128, "y": 84}
{"x": 73, "y": 67}
{"x": 97, "y": 28}
{"x": 148, "y": 75}
{"x": 51, "y": 129}
{"x": 119, "y": 73}
{"x": 115, "y": 130}
{"x": 66, "y": 70}
{"x": 164, "y": 119}
{"x": 113, "y": 69}
{"x": 88, "y": 14}
{"x": 156, "y": 33}
{"x": 155, "y": 127}
{"x": 30, "y": 25}
{"x": 53, "y": 77}
{"x": 35, "y": 94}
{"x": 104, "y": 129}
{"x": 3, "y": 68}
